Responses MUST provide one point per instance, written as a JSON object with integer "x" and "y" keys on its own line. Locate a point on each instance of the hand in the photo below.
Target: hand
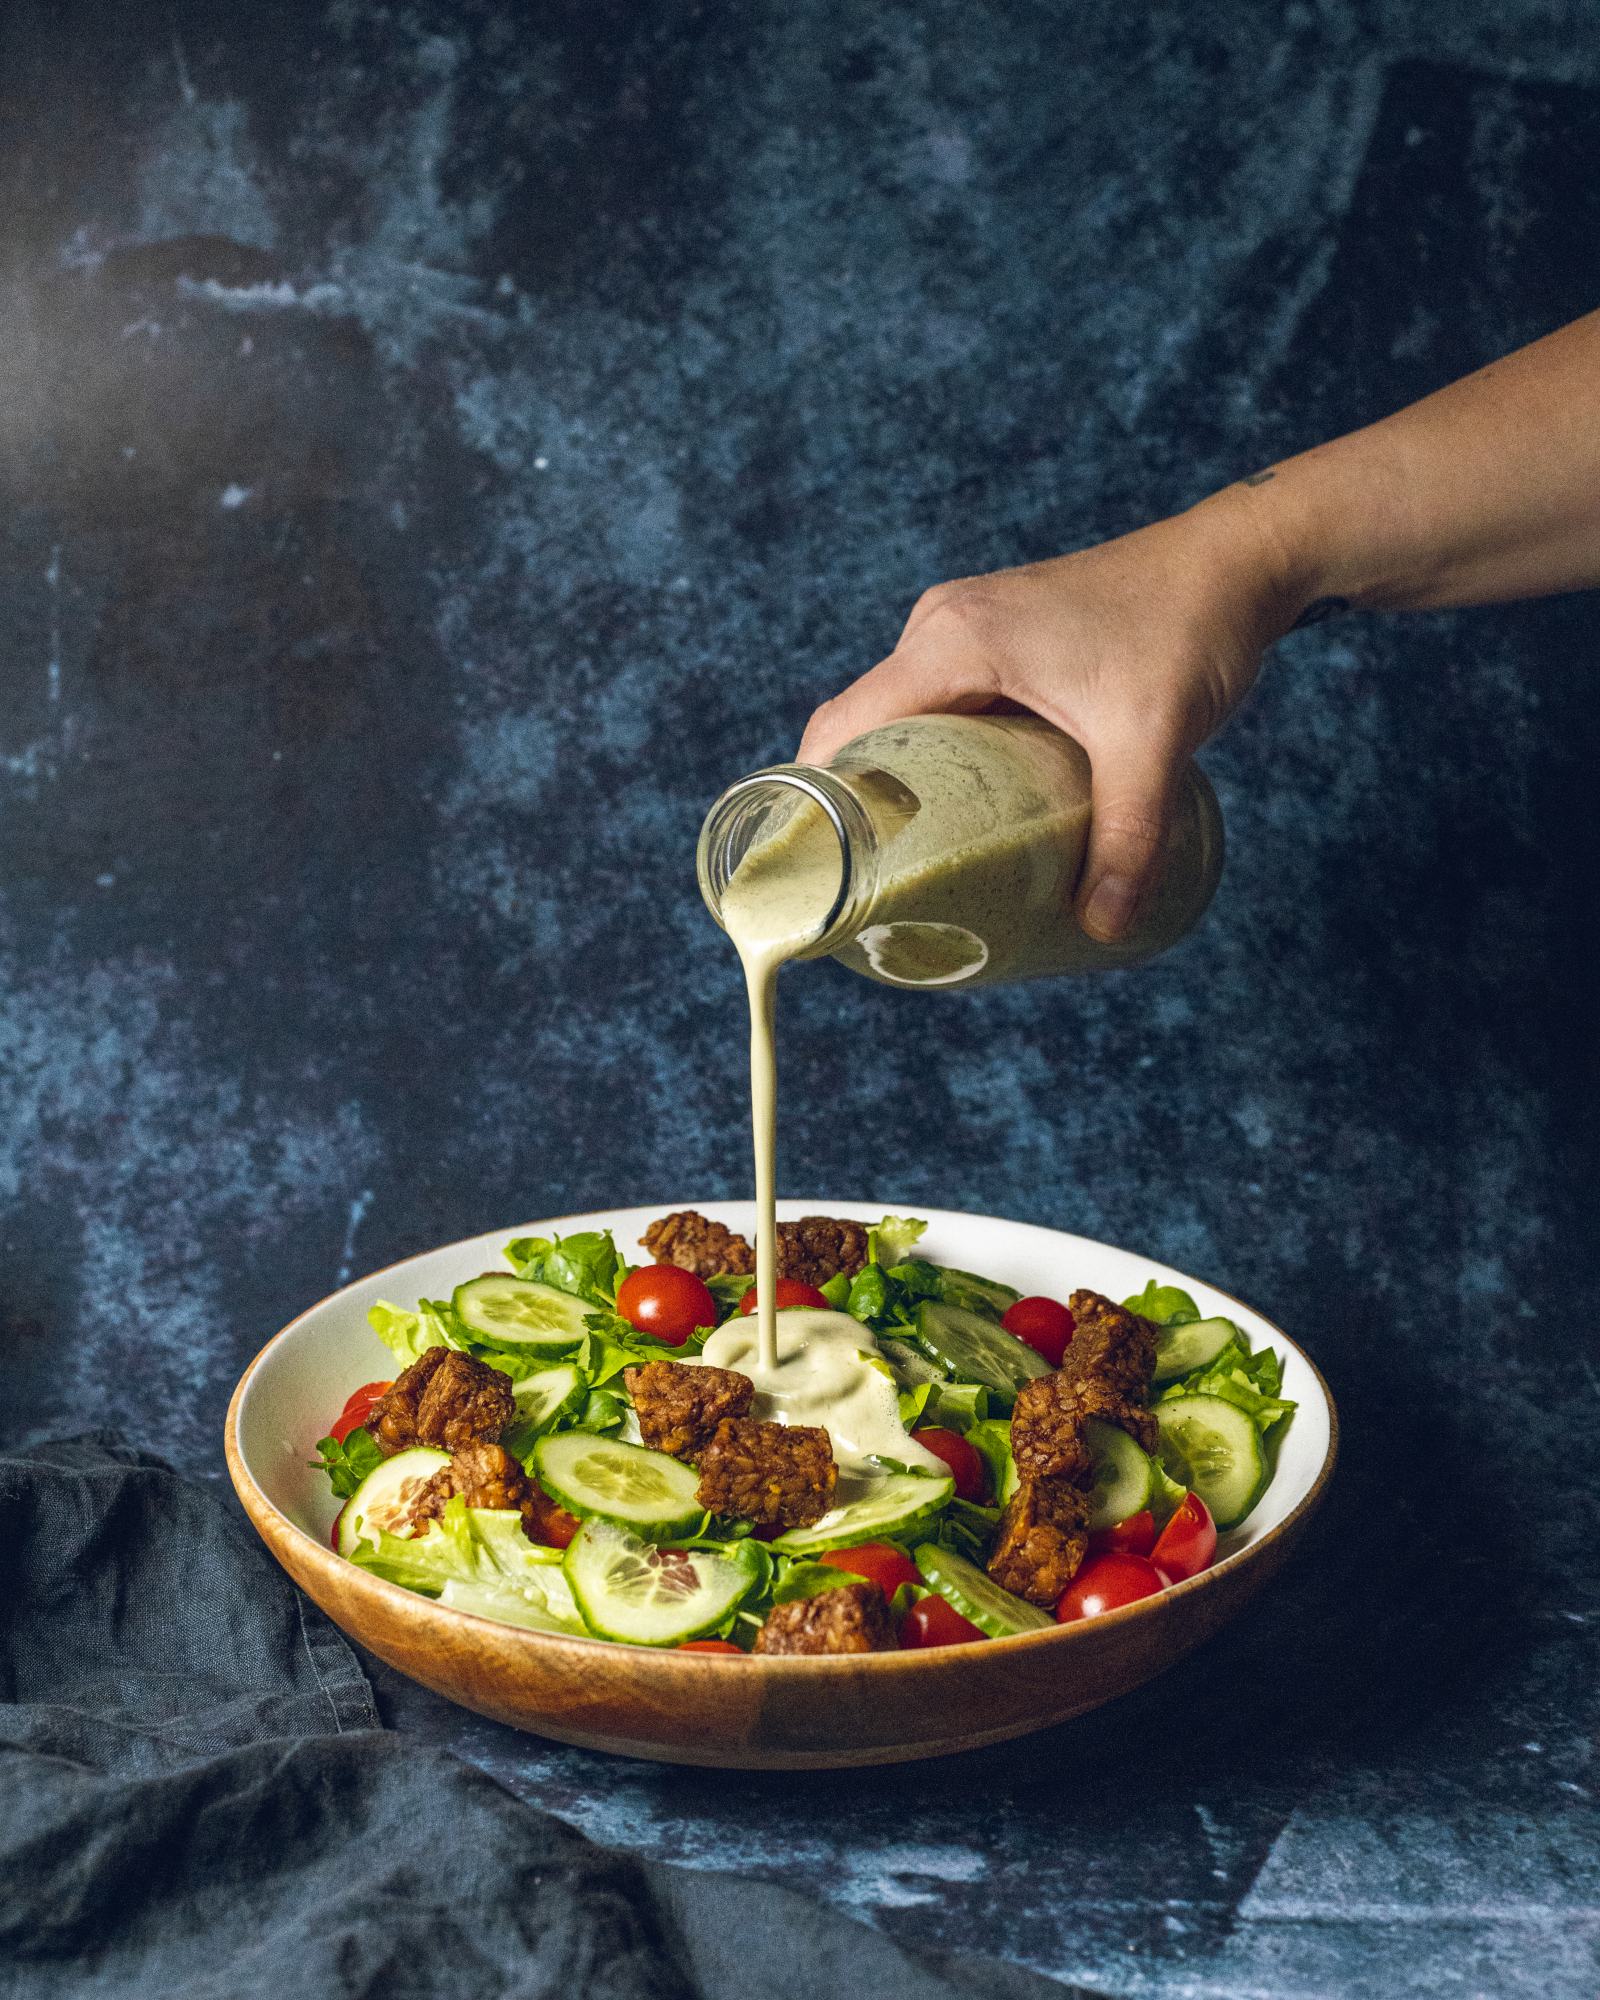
{"x": 1140, "y": 649}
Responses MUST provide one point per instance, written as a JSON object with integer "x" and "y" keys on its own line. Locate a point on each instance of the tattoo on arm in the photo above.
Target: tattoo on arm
{"x": 1320, "y": 608}
{"x": 1257, "y": 478}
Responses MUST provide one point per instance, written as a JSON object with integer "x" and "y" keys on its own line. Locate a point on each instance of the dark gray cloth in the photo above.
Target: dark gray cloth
{"x": 197, "y": 1797}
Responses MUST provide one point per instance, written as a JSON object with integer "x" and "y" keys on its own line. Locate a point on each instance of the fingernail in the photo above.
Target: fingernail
{"x": 1110, "y": 907}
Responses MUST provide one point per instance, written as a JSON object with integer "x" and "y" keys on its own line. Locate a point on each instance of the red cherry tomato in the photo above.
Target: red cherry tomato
{"x": 878, "y": 1562}
{"x": 1106, "y": 1583}
{"x": 333, "y": 1532}
{"x": 359, "y": 1407}
{"x": 661, "y": 1299}
{"x": 933, "y": 1622}
{"x": 710, "y": 1646}
{"x": 791, "y": 1292}
{"x": 964, "y": 1460}
{"x": 1045, "y": 1324}
{"x": 1189, "y": 1540}
{"x": 1135, "y": 1536}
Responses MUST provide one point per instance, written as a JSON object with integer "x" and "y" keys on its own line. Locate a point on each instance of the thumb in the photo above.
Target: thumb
{"x": 1134, "y": 787}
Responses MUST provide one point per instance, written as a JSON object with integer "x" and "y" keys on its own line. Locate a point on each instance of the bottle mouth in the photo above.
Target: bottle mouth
{"x": 792, "y": 802}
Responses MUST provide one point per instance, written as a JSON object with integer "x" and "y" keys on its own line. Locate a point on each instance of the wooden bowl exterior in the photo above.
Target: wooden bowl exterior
{"x": 768, "y": 1714}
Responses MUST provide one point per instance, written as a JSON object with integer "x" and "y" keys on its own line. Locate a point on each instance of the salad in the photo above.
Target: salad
{"x": 570, "y": 1444}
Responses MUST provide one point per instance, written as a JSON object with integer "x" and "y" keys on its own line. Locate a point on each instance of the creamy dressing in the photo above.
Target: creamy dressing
{"x": 775, "y": 904}
{"x": 827, "y": 1371}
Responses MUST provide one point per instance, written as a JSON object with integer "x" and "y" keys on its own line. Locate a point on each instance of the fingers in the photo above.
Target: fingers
{"x": 953, "y": 677}
{"x": 1135, "y": 777}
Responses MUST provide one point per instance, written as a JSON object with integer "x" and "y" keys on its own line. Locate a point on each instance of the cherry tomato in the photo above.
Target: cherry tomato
{"x": 1135, "y": 1536}
{"x": 1106, "y": 1583}
{"x": 791, "y": 1292}
{"x": 359, "y": 1407}
{"x": 878, "y": 1562}
{"x": 1045, "y": 1324}
{"x": 333, "y": 1532}
{"x": 933, "y": 1622}
{"x": 964, "y": 1460}
{"x": 710, "y": 1646}
{"x": 661, "y": 1299}
{"x": 1189, "y": 1540}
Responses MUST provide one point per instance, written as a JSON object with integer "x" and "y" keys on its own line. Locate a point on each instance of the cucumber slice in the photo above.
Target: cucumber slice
{"x": 895, "y": 1507}
{"x": 620, "y": 1482}
{"x": 383, "y": 1501}
{"x": 974, "y": 1349}
{"x": 910, "y": 1365}
{"x": 974, "y": 1294}
{"x": 1213, "y": 1447}
{"x": 517, "y": 1312}
{"x": 1192, "y": 1344}
{"x": 976, "y": 1596}
{"x": 627, "y": 1589}
{"x": 542, "y": 1400}
{"x": 1123, "y": 1475}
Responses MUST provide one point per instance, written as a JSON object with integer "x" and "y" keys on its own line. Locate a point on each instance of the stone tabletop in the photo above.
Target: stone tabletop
{"x": 444, "y": 444}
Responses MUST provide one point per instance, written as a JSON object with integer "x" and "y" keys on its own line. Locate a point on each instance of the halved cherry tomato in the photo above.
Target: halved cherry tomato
{"x": 878, "y": 1562}
{"x": 791, "y": 1292}
{"x": 932, "y": 1621}
{"x": 333, "y": 1532}
{"x": 1106, "y": 1583}
{"x": 359, "y": 1407}
{"x": 1135, "y": 1536}
{"x": 964, "y": 1460}
{"x": 1189, "y": 1540}
{"x": 661, "y": 1299}
{"x": 710, "y": 1646}
{"x": 1045, "y": 1324}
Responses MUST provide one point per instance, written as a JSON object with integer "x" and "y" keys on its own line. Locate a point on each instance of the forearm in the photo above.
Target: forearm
{"x": 1488, "y": 490}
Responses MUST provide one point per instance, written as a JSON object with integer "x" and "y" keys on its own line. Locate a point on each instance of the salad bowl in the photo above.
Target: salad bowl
{"x": 761, "y": 1711}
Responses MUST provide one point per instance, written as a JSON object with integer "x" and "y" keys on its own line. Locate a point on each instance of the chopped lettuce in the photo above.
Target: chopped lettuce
{"x": 992, "y": 1438}
{"x": 1165, "y": 1304}
{"x": 406, "y": 1334}
{"x": 952, "y": 1406}
{"x": 836, "y": 1291}
{"x": 968, "y": 1529}
{"x": 482, "y": 1556}
{"x": 728, "y": 1288}
{"x": 587, "y": 1265}
{"x": 888, "y": 1242}
{"x": 1249, "y": 1381}
{"x": 349, "y": 1463}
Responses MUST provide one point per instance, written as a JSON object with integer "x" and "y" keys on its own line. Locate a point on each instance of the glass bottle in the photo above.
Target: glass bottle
{"x": 944, "y": 850}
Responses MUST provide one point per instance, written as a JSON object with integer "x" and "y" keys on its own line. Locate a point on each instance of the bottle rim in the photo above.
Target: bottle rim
{"x": 720, "y": 851}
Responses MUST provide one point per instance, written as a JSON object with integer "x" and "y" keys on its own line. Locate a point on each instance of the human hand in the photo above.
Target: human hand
{"x": 1140, "y": 649}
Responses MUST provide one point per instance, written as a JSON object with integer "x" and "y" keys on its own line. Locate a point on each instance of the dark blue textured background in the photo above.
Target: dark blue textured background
{"x": 443, "y": 445}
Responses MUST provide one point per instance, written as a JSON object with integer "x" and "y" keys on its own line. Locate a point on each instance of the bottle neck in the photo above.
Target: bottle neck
{"x": 759, "y": 807}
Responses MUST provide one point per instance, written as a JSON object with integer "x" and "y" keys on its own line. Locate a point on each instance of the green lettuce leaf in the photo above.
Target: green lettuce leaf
{"x": 952, "y": 1406}
{"x": 1165, "y": 1304}
{"x": 968, "y": 1529}
{"x": 836, "y": 1291}
{"x": 349, "y": 1463}
{"x": 407, "y": 1334}
{"x": 586, "y": 1264}
{"x": 1249, "y": 1381}
{"x": 889, "y": 1240}
{"x": 484, "y": 1561}
{"x": 992, "y": 1438}
{"x": 728, "y": 1288}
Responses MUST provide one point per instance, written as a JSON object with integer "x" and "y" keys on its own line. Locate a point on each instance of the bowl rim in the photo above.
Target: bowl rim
{"x": 257, "y": 1502}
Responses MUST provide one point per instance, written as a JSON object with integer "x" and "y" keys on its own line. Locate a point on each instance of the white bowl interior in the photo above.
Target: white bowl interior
{"x": 299, "y": 1385}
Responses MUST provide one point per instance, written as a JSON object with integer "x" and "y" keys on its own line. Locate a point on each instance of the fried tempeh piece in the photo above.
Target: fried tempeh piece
{"x": 444, "y": 1399}
{"x": 679, "y": 1406}
{"x": 814, "y": 1249}
{"x": 1042, "y": 1538}
{"x": 851, "y": 1619}
{"x": 777, "y": 1475}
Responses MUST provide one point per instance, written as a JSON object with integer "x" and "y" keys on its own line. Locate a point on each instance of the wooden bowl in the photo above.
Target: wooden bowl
{"x": 748, "y": 1713}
